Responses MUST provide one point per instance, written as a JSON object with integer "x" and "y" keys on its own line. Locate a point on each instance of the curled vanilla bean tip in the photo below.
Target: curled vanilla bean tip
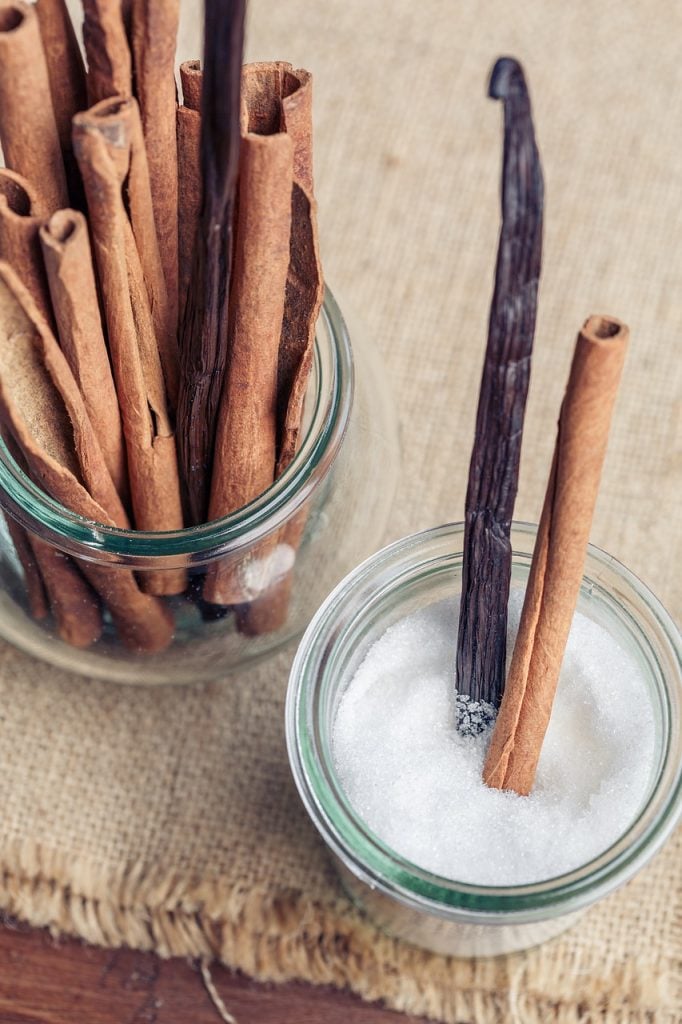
{"x": 506, "y": 78}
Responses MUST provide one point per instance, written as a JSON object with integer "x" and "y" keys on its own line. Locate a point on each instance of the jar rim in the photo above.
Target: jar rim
{"x": 373, "y": 861}
{"x": 32, "y": 507}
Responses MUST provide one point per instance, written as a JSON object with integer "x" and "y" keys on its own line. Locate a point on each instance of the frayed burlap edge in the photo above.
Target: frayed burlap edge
{"x": 282, "y": 936}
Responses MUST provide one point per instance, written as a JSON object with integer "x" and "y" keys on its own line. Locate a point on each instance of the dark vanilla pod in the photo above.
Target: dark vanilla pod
{"x": 204, "y": 332}
{"x": 494, "y": 467}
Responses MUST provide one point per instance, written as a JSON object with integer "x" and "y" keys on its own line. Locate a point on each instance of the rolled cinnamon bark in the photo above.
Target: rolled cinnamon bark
{"x": 68, "y": 261}
{"x": 107, "y": 50}
{"x": 189, "y": 174}
{"x": 277, "y": 97}
{"x": 559, "y": 556}
{"x": 118, "y": 121}
{"x": 246, "y": 436}
{"x": 154, "y": 32}
{"x": 41, "y": 405}
{"x": 74, "y": 605}
{"x": 33, "y": 581}
{"x": 28, "y": 131}
{"x": 303, "y": 298}
{"x": 268, "y": 612}
{"x": 102, "y": 148}
{"x": 66, "y": 74}
{"x": 39, "y": 389}
{"x": 305, "y": 285}
{"x": 73, "y": 602}
{"x": 22, "y": 211}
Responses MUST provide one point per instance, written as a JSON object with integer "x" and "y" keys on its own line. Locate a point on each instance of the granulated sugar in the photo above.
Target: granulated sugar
{"x": 417, "y": 783}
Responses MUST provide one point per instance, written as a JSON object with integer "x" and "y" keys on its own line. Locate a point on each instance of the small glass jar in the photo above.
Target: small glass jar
{"x": 287, "y": 548}
{"x": 438, "y": 913}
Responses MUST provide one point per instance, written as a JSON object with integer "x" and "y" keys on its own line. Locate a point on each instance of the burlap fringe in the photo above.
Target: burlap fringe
{"x": 283, "y": 936}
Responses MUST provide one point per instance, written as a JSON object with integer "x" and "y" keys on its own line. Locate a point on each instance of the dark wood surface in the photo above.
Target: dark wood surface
{"x": 66, "y": 982}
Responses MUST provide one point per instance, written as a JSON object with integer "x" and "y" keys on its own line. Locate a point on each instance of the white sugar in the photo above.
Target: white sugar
{"x": 417, "y": 783}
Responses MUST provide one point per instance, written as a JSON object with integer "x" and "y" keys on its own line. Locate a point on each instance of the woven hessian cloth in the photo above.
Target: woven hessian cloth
{"x": 167, "y": 819}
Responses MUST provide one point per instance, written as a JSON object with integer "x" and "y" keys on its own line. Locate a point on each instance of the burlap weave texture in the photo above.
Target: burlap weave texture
{"x": 167, "y": 819}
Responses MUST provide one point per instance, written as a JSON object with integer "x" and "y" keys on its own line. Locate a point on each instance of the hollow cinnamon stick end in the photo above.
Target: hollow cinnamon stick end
{"x": 604, "y": 328}
{"x": 191, "y": 77}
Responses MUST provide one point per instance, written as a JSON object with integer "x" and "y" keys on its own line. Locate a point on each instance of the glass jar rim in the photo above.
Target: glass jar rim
{"x": 378, "y": 865}
{"x": 32, "y": 507}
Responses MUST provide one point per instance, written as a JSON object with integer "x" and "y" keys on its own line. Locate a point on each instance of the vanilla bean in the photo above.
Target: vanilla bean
{"x": 203, "y": 338}
{"x": 494, "y": 467}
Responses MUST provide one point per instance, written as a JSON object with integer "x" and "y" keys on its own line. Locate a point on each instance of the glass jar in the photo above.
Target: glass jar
{"x": 287, "y": 548}
{"x": 438, "y": 913}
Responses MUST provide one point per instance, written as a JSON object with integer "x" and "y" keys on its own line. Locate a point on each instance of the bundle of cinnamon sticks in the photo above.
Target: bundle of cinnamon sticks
{"x": 159, "y": 287}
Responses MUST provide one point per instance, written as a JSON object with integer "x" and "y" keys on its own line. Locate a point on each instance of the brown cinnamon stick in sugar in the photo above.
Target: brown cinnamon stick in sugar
{"x": 559, "y": 555}
{"x": 38, "y": 389}
{"x": 68, "y": 261}
{"x": 246, "y": 436}
{"x": 154, "y": 33}
{"x": 101, "y": 147}
{"x": 41, "y": 405}
{"x": 110, "y": 69}
{"x": 22, "y": 211}
{"x": 66, "y": 73}
{"x": 189, "y": 174}
{"x": 28, "y": 131}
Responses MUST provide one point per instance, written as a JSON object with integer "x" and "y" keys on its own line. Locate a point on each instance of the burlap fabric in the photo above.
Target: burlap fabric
{"x": 167, "y": 819}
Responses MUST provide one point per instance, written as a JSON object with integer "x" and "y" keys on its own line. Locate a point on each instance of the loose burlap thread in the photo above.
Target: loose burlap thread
{"x": 167, "y": 820}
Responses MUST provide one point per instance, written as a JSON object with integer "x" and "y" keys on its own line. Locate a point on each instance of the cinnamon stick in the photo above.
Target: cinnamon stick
{"x": 118, "y": 120}
{"x": 40, "y": 402}
{"x": 28, "y": 131}
{"x": 66, "y": 74}
{"x": 494, "y": 466}
{"x": 73, "y": 602}
{"x": 40, "y": 391}
{"x": 154, "y": 32}
{"x": 36, "y": 594}
{"x": 22, "y": 211}
{"x": 303, "y": 298}
{"x": 107, "y": 50}
{"x": 74, "y": 605}
{"x": 246, "y": 436}
{"x": 33, "y": 581}
{"x": 102, "y": 148}
{"x": 68, "y": 261}
{"x": 189, "y": 174}
{"x": 203, "y": 347}
{"x": 559, "y": 555}
{"x": 261, "y": 83}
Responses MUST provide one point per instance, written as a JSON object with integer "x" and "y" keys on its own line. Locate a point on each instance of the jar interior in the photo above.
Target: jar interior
{"x": 384, "y": 600}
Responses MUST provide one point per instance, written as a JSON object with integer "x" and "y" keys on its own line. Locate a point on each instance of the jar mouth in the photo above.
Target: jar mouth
{"x": 400, "y": 565}
{"x": 332, "y": 393}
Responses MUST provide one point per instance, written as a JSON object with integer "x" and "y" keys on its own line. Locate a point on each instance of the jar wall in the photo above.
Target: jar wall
{"x": 437, "y": 913}
{"x": 275, "y": 561}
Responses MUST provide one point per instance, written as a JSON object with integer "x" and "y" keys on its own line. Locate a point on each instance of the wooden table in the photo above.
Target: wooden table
{"x": 66, "y": 982}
